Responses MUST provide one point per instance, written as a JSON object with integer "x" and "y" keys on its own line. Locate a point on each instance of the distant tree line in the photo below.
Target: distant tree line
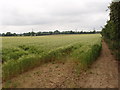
{"x": 47, "y": 33}
{"x": 111, "y": 31}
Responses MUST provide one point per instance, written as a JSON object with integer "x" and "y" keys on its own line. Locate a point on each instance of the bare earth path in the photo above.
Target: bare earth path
{"x": 102, "y": 74}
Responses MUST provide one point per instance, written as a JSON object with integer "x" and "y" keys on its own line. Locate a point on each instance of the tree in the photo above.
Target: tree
{"x": 94, "y": 31}
{"x": 8, "y": 34}
{"x": 56, "y": 32}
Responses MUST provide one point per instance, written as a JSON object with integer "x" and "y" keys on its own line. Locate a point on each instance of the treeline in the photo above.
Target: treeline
{"x": 47, "y": 33}
{"x": 111, "y": 31}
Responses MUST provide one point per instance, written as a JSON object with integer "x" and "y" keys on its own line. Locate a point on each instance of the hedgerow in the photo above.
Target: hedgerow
{"x": 111, "y": 31}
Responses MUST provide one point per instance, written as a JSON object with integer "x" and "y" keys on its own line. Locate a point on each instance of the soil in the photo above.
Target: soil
{"x": 103, "y": 73}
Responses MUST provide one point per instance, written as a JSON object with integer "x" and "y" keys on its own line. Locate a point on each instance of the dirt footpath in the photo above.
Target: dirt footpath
{"x": 102, "y": 74}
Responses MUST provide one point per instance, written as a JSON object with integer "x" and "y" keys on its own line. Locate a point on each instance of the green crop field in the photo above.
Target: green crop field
{"x": 20, "y": 54}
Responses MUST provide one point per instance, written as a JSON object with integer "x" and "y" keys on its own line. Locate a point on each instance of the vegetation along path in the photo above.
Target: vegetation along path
{"x": 102, "y": 74}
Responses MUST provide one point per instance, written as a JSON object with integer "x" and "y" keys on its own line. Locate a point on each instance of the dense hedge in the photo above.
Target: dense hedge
{"x": 111, "y": 31}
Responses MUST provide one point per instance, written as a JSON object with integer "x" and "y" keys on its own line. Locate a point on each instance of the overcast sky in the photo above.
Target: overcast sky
{"x": 48, "y": 15}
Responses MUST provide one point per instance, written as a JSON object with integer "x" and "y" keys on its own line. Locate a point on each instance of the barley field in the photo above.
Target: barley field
{"x": 20, "y": 54}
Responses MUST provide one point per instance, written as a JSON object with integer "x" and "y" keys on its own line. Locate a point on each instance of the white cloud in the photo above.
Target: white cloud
{"x": 23, "y": 15}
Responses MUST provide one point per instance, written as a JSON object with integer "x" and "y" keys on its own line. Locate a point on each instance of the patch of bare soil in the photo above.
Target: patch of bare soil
{"x": 50, "y": 75}
{"x": 102, "y": 74}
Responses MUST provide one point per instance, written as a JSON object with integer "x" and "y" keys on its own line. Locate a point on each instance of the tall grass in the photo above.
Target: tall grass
{"x": 87, "y": 54}
{"x": 91, "y": 54}
{"x": 13, "y": 68}
{"x": 23, "y": 57}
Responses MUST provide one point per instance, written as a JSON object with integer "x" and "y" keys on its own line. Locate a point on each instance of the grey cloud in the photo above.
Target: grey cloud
{"x": 63, "y": 13}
